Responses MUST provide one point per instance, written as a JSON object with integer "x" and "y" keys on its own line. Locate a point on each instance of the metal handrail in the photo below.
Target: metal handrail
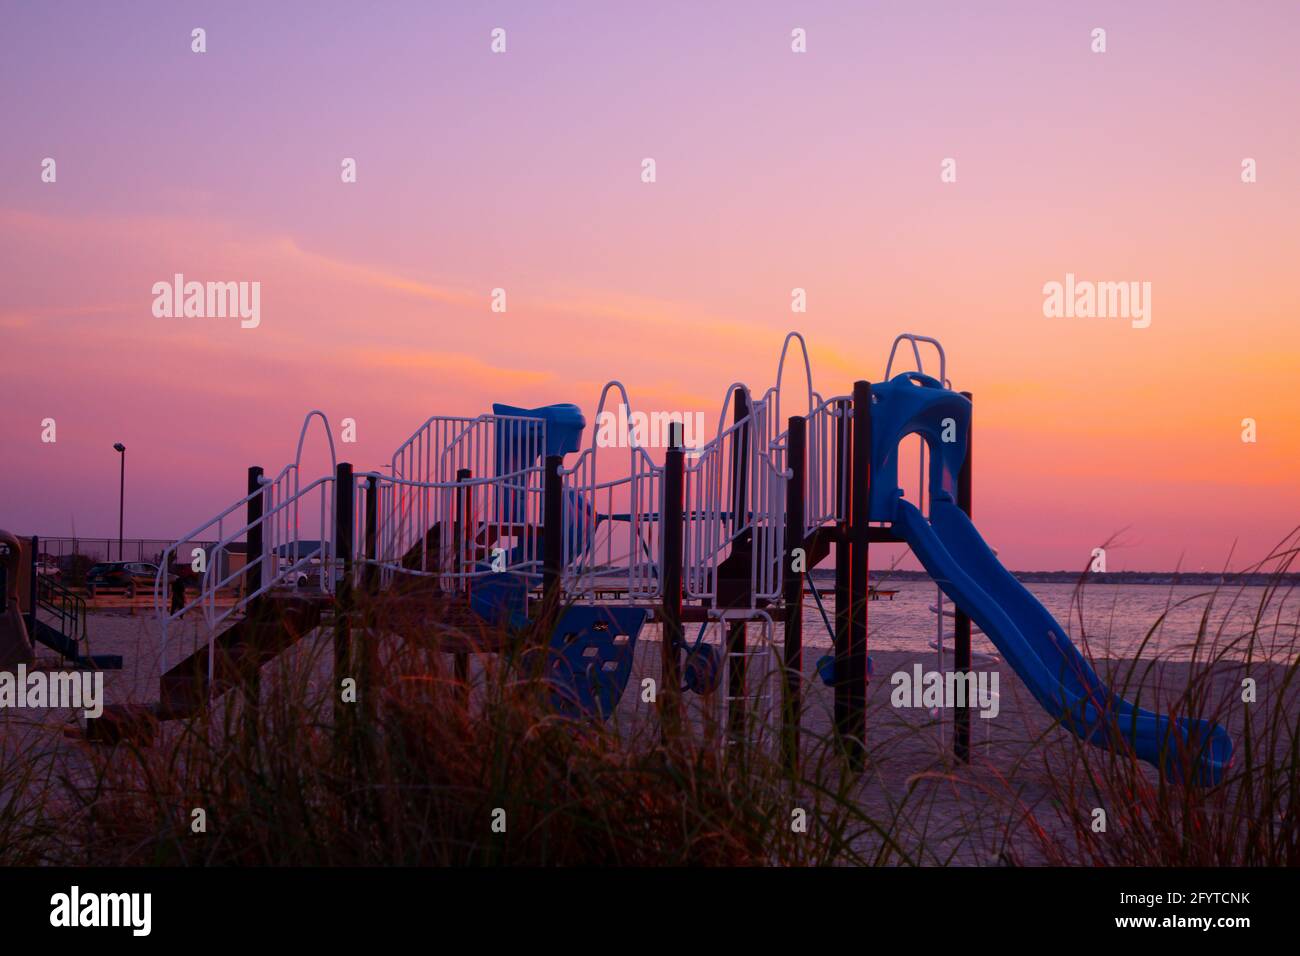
{"x": 276, "y": 485}
{"x": 277, "y": 575}
{"x": 68, "y": 606}
{"x": 780, "y": 367}
{"x": 645, "y": 487}
{"x": 915, "y": 341}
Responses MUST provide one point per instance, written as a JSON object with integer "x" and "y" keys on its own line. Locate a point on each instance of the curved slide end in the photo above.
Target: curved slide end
{"x": 1011, "y": 617}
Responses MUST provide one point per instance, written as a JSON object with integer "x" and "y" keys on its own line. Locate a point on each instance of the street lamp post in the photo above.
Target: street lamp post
{"x": 121, "y": 496}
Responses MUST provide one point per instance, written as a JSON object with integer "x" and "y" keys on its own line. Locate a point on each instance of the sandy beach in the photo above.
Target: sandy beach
{"x": 939, "y": 810}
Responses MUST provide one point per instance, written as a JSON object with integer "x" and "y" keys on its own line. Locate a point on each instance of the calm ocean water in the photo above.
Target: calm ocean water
{"x": 1115, "y": 618}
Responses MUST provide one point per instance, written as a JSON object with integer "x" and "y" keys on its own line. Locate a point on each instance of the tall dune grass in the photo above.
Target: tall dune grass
{"x": 422, "y": 766}
{"x": 1252, "y": 818}
{"x": 422, "y": 775}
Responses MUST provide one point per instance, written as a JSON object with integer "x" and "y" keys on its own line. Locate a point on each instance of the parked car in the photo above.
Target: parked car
{"x": 308, "y": 573}
{"x": 47, "y": 567}
{"x": 130, "y": 575}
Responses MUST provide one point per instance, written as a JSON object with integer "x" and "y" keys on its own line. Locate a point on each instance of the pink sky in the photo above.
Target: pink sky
{"x": 775, "y": 170}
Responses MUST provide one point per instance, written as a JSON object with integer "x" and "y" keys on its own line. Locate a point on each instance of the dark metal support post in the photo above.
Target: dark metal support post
{"x": 858, "y": 569}
{"x": 32, "y": 594}
{"x": 254, "y": 575}
{"x": 671, "y": 540}
{"x": 796, "y": 461}
{"x": 843, "y": 596}
{"x": 254, "y": 563}
{"x": 121, "y": 498}
{"x": 552, "y": 543}
{"x": 463, "y": 540}
{"x": 344, "y": 518}
{"x": 961, "y": 622}
{"x": 739, "y": 457}
{"x": 370, "y": 577}
{"x": 370, "y": 583}
{"x": 735, "y": 596}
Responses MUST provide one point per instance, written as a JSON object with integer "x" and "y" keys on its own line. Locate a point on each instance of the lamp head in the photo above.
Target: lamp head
{"x": 118, "y": 446}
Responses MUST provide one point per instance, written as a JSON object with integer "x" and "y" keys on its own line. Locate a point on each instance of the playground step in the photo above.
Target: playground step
{"x": 238, "y": 652}
{"x": 56, "y": 640}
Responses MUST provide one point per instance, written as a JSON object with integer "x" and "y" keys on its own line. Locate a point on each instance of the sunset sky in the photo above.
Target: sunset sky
{"x": 775, "y": 170}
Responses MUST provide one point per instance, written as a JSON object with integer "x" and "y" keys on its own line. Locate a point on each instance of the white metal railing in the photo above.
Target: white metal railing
{"x": 487, "y": 470}
{"x": 827, "y": 491}
{"x": 281, "y": 498}
{"x": 770, "y": 478}
{"x": 475, "y": 485}
{"x": 762, "y": 664}
{"x": 814, "y": 399}
{"x": 285, "y": 553}
{"x": 161, "y": 589}
{"x": 596, "y": 563}
{"x": 916, "y": 341}
{"x": 736, "y": 485}
{"x": 717, "y": 497}
{"x": 478, "y": 527}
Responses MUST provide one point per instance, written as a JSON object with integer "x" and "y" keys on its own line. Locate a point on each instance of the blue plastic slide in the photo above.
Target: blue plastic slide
{"x": 1035, "y": 645}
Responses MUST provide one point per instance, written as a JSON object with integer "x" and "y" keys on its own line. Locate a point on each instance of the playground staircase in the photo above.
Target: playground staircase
{"x": 275, "y": 623}
{"x": 233, "y": 659}
{"x": 67, "y": 634}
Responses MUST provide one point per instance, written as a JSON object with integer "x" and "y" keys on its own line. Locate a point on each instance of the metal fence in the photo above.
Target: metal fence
{"x": 106, "y": 549}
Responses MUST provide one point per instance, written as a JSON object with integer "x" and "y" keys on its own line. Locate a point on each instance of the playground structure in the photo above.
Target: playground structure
{"x": 35, "y": 609}
{"x": 484, "y": 514}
